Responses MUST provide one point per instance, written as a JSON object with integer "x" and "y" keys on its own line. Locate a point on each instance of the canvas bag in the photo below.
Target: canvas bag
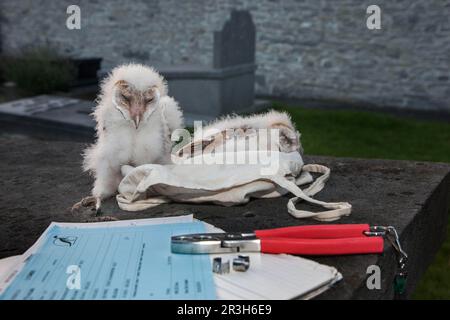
{"x": 194, "y": 179}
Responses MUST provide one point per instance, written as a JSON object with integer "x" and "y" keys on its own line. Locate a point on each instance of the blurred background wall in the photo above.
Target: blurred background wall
{"x": 305, "y": 49}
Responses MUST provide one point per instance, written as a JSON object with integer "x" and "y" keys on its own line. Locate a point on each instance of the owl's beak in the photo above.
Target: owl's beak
{"x": 136, "y": 115}
{"x": 136, "y": 121}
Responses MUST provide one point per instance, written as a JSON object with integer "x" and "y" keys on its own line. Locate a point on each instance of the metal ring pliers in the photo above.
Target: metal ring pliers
{"x": 334, "y": 239}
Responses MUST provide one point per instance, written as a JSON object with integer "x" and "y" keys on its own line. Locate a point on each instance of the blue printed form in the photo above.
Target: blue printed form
{"x": 130, "y": 262}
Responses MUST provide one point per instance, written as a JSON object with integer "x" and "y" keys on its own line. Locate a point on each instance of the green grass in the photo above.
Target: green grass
{"x": 366, "y": 134}
{"x": 38, "y": 70}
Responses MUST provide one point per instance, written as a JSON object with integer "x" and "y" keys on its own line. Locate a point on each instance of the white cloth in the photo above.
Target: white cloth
{"x": 152, "y": 184}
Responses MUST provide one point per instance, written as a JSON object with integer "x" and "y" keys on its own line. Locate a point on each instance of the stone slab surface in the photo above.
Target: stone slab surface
{"x": 62, "y": 113}
{"x": 73, "y": 115}
{"x": 41, "y": 179}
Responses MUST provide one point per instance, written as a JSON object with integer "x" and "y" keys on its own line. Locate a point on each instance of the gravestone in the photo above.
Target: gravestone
{"x": 229, "y": 84}
{"x": 52, "y": 112}
{"x": 235, "y": 43}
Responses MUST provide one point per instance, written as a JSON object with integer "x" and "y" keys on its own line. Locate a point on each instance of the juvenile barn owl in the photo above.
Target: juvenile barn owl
{"x": 135, "y": 119}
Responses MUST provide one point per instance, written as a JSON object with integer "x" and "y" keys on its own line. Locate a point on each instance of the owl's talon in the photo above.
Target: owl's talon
{"x": 98, "y": 204}
{"x": 101, "y": 219}
{"x": 88, "y": 202}
{"x": 97, "y": 212}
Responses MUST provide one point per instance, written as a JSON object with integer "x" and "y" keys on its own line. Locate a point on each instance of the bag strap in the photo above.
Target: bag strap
{"x": 319, "y": 183}
{"x": 337, "y": 209}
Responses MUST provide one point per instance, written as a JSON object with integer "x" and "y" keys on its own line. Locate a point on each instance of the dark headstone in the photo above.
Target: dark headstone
{"x": 235, "y": 43}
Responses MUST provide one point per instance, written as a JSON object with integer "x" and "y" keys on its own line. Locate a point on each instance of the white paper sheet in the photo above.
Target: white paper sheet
{"x": 275, "y": 277}
{"x": 269, "y": 276}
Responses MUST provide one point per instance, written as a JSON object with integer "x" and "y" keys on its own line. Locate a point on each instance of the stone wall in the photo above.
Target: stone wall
{"x": 312, "y": 49}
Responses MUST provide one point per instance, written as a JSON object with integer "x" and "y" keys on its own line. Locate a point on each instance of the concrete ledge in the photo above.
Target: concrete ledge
{"x": 41, "y": 179}
{"x": 68, "y": 115}
{"x": 201, "y": 72}
{"x": 72, "y": 116}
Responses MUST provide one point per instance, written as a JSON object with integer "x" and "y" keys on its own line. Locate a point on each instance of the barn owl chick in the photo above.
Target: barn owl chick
{"x": 135, "y": 119}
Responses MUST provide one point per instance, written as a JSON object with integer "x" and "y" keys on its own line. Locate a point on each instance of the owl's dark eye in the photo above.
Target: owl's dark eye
{"x": 147, "y": 101}
{"x": 124, "y": 97}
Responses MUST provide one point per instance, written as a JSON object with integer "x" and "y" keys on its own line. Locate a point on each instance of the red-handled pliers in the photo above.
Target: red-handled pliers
{"x": 333, "y": 239}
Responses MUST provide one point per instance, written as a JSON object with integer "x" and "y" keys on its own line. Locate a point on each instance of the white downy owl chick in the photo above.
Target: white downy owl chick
{"x": 135, "y": 119}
